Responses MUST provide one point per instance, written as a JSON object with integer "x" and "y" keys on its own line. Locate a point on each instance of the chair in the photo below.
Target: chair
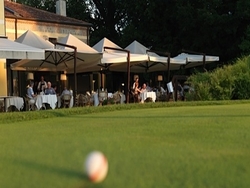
{"x": 66, "y": 100}
{"x": 103, "y": 95}
{"x": 117, "y": 97}
{"x": 81, "y": 100}
{"x": 158, "y": 96}
{"x": 29, "y": 103}
{"x": 89, "y": 98}
{"x": 1, "y": 105}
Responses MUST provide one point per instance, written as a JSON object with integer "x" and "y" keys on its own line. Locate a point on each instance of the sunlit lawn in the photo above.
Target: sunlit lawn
{"x": 203, "y": 146}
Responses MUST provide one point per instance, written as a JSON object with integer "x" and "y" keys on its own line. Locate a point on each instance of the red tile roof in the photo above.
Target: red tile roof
{"x": 20, "y": 11}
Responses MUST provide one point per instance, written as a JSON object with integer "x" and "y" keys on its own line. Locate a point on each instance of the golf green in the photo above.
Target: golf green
{"x": 198, "y": 146}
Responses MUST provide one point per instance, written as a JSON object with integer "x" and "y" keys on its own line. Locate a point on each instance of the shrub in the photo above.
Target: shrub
{"x": 201, "y": 87}
{"x": 225, "y": 83}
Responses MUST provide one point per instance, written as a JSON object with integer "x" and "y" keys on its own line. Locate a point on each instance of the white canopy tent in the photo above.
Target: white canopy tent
{"x": 54, "y": 58}
{"x": 31, "y": 39}
{"x": 111, "y": 57}
{"x": 60, "y": 58}
{"x": 114, "y": 56}
{"x": 14, "y": 50}
{"x": 87, "y": 57}
{"x": 69, "y": 53}
{"x": 153, "y": 62}
{"x": 193, "y": 60}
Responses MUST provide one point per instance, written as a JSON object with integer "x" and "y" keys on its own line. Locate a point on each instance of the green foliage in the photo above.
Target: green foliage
{"x": 242, "y": 81}
{"x": 225, "y": 83}
{"x": 222, "y": 83}
{"x": 214, "y": 27}
{"x": 200, "y": 82}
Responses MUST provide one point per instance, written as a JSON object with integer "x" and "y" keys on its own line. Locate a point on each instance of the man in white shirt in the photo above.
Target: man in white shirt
{"x": 42, "y": 85}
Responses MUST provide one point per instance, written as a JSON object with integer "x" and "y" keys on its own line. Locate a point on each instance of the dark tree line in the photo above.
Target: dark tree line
{"x": 216, "y": 27}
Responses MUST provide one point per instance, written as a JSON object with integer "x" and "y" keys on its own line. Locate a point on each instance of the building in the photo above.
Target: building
{"x": 51, "y": 26}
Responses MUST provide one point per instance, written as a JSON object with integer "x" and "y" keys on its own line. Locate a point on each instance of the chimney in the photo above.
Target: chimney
{"x": 61, "y": 7}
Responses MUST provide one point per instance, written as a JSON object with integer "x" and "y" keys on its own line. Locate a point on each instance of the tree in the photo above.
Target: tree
{"x": 48, "y": 5}
{"x": 216, "y": 27}
{"x": 107, "y": 17}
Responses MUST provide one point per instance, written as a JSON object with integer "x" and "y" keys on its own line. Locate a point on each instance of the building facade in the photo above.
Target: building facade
{"x": 51, "y": 26}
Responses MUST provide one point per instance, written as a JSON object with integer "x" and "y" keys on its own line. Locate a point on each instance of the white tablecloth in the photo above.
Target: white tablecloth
{"x": 12, "y": 101}
{"x": 145, "y": 95}
{"x": 42, "y": 99}
{"x": 123, "y": 98}
{"x": 59, "y": 102}
{"x": 96, "y": 100}
{"x": 110, "y": 95}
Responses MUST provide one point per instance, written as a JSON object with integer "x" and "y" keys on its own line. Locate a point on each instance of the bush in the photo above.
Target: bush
{"x": 200, "y": 82}
{"x": 222, "y": 83}
{"x": 225, "y": 83}
{"x": 242, "y": 81}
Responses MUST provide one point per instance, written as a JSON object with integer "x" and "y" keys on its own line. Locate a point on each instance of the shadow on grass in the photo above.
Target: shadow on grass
{"x": 83, "y": 179}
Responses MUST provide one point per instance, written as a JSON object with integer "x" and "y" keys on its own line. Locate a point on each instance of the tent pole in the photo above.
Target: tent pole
{"x": 204, "y": 61}
{"x": 75, "y": 78}
{"x": 128, "y": 68}
{"x": 128, "y": 81}
{"x": 168, "y": 66}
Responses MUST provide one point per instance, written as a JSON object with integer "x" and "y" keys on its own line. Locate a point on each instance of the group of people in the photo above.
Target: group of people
{"x": 137, "y": 90}
{"x": 43, "y": 87}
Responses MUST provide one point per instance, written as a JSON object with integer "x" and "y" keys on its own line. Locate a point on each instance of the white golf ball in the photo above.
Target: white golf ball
{"x": 96, "y": 166}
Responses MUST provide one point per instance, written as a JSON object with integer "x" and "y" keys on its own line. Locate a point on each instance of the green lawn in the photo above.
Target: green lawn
{"x": 198, "y": 146}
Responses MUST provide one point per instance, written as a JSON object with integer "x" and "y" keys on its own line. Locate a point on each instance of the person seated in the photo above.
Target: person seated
{"x": 65, "y": 91}
{"x": 30, "y": 92}
{"x": 180, "y": 91}
{"x": 55, "y": 88}
{"x": 144, "y": 88}
{"x": 49, "y": 90}
{"x": 148, "y": 88}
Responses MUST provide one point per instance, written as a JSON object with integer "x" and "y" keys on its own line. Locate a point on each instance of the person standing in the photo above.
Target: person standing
{"x": 42, "y": 85}
{"x": 136, "y": 83}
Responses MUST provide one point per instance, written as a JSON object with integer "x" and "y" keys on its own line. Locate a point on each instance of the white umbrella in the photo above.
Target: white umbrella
{"x": 14, "y": 50}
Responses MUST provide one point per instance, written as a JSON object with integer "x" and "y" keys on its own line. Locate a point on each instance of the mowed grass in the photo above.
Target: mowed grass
{"x": 199, "y": 146}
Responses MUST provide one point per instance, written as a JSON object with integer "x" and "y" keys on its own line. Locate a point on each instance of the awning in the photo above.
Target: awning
{"x": 14, "y": 50}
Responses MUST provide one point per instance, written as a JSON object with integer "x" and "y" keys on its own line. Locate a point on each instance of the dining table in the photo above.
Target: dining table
{"x": 9, "y": 101}
{"x": 146, "y": 94}
{"x": 41, "y": 100}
